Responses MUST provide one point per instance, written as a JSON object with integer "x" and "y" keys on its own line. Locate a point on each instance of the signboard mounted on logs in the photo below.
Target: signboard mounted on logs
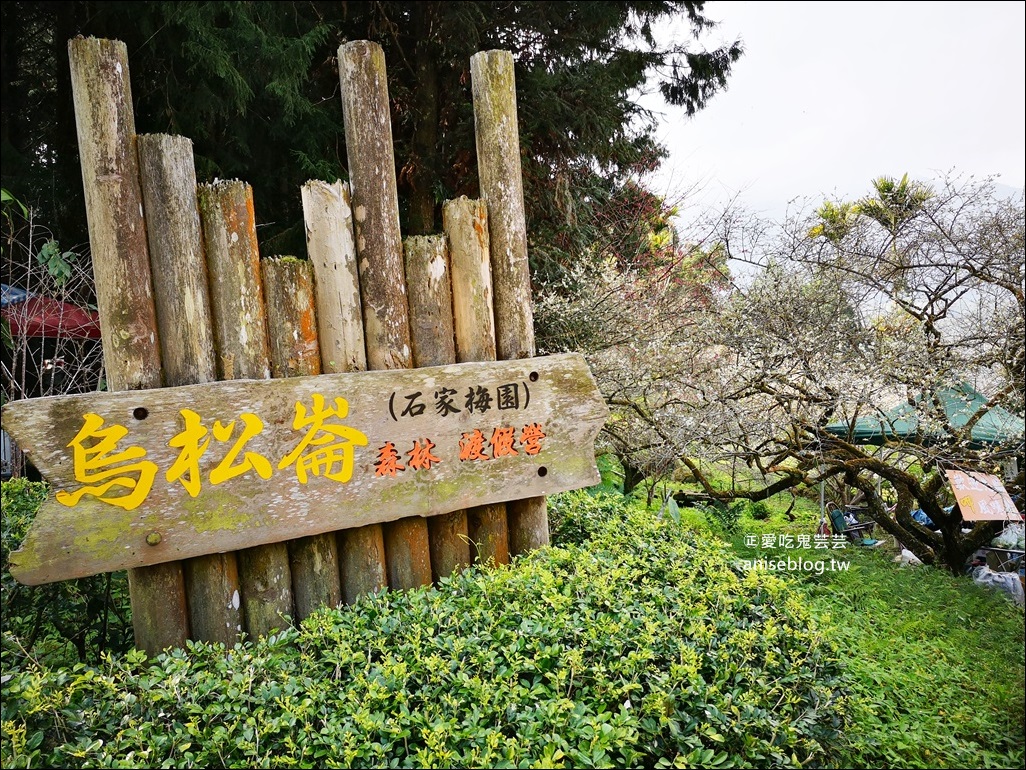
{"x": 213, "y": 494}
{"x": 145, "y": 477}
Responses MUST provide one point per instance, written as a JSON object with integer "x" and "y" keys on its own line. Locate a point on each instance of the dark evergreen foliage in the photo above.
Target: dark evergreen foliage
{"x": 255, "y": 86}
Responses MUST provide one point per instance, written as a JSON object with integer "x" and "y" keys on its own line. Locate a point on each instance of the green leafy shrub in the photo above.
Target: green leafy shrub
{"x": 753, "y": 509}
{"x": 575, "y": 517}
{"x": 58, "y": 623}
{"x": 724, "y": 520}
{"x": 640, "y": 646}
{"x": 611, "y": 473}
{"x": 758, "y": 510}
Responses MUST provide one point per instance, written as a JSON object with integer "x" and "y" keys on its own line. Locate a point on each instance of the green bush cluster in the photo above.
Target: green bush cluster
{"x": 758, "y": 510}
{"x": 576, "y": 517}
{"x": 725, "y": 520}
{"x": 63, "y": 623}
{"x": 635, "y": 644}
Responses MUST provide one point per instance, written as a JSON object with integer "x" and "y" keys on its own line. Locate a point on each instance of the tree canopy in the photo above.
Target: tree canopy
{"x": 255, "y": 86}
{"x": 903, "y": 308}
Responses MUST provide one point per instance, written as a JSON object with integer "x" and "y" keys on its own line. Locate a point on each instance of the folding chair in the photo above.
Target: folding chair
{"x": 854, "y": 532}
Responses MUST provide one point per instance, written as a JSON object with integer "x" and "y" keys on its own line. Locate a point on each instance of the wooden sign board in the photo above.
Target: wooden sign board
{"x": 982, "y": 497}
{"x": 144, "y": 477}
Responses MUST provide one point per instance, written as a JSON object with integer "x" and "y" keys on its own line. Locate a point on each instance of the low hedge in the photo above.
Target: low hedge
{"x": 636, "y": 646}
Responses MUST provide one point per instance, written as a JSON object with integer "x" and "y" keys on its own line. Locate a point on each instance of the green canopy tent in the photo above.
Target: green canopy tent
{"x": 995, "y": 428}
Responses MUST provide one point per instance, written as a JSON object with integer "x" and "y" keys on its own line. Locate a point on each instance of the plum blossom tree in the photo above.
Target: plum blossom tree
{"x": 907, "y": 303}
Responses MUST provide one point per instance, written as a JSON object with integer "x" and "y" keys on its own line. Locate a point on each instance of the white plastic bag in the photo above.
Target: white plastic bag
{"x": 907, "y": 558}
{"x": 1013, "y": 536}
{"x": 1002, "y": 581}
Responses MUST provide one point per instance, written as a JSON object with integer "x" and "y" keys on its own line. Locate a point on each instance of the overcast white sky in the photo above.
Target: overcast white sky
{"x": 830, "y": 95}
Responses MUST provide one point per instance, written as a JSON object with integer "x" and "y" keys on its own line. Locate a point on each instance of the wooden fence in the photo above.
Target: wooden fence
{"x": 185, "y": 298}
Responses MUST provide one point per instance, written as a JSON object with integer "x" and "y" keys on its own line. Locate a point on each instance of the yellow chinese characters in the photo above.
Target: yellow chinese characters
{"x": 216, "y": 452}
{"x": 193, "y": 442}
{"x": 325, "y": 445}
{"x": 102, "y": 469}
{"x": 251, "y": 426}
{"x": 190, "y": 442}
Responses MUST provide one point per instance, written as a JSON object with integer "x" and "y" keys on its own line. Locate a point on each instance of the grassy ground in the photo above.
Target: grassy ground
{"x": 935, "y": 664}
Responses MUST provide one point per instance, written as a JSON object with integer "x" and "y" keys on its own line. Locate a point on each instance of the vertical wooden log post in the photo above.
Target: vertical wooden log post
{"x": 121, "y": 264}
{"x": 291, "y": 322}
{"x": 379, "y": 246}
{"x": 498, "y": 161}
{"x": 177, "y": 259}
{"x": 239, "y": 328}
{"x": 332, "y": 253}
{"x": 368, "y": 129}
{"x": 292, "y": 328}
{"x": 264, "y": 576}
{"x": 114, "y": 212}
{"x": 236, "y": 290}
{"x": 431, "y": 335}
{"x": 465, "y": 223}
{"x": 181, "y": 293}
{"x": 328, "y": 213}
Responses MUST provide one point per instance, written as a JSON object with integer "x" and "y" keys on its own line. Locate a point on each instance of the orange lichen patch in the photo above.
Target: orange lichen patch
{"x": 308, "y": 327}
{"x": 481, "y": 227}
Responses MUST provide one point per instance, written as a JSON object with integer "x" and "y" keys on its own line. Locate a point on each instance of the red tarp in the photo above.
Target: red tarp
{"x": 46, "y": 317}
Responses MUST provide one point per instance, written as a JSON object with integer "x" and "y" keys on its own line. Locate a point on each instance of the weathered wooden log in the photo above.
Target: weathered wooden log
{"x": 407, "y": 552}
{"x": 316, "y": 580}
{"x": 438, "y": 545}
{"x": 239, "y": 328}
{"x": 124, "y": 295}
{"x": 426, "y": 259}
{"x": 407, "y": 545}
{"x": 498, "y": 159}
{"x": 236, "y": 288}
{"x": 312, "y": 562}
{"x": 368, "y": 130}
{"x": 465, "y": 222}
{"x": 362, "y": 556}
{"x": 160, "y": 613}
{"x": 168, "y": 176}
{"x": 502, "y": 189}
{"x": 368, "y": 127}
{"x": 489, "y": 533}
{"x": 449, "y": 541}
{"x": 291, "y": 318}
{"x": 215, "y": 598}
{"x": 114, "y": 213}
{"x": 331, "y": 248}
{"x": 265, "y": 577}
{"x": 178, "y": 263}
